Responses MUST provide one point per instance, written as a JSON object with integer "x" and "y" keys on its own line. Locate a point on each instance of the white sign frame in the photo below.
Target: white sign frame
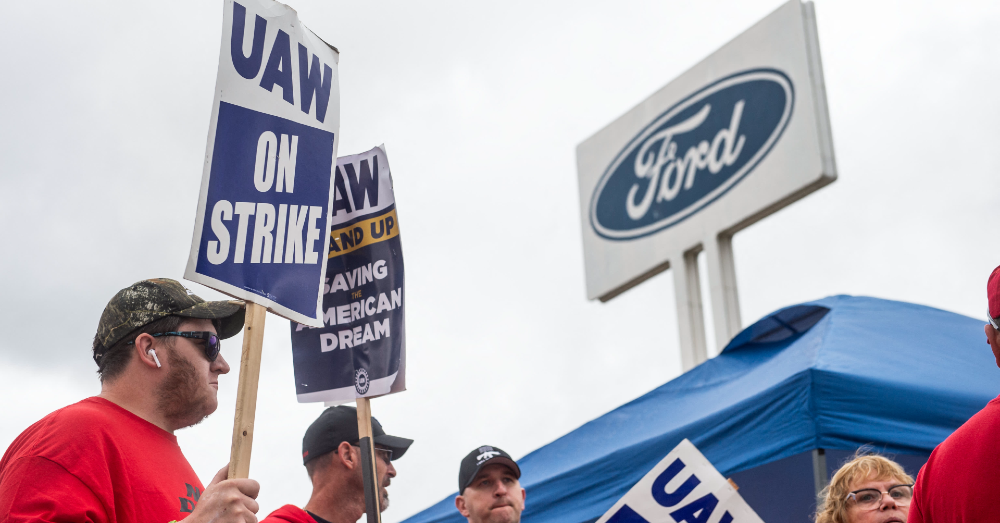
{"x": 731, "y": 507}
{"x": 243, "y": 92}
{"x": 800, "y": 162}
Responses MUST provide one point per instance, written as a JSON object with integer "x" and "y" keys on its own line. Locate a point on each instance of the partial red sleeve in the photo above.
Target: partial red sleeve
{"x": 915, "y": 514}
{"x": 34, "y": 489}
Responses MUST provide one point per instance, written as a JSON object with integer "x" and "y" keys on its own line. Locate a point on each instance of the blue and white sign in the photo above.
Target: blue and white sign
{"x": 261, "y": 230}
{"x": 360, "y": 351}
{"x": 692, "y": 154}
{"x": 684, "y": 487}
{"x": 735, "y": 138}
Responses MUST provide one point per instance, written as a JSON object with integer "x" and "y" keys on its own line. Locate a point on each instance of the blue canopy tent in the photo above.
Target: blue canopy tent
{"x": 837, "y": 373}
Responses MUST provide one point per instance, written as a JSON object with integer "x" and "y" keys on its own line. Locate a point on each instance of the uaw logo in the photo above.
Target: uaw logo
{"x": 361, "y": 381}
{"x": 692, "y": 154}
{"x": 485, "y": 454}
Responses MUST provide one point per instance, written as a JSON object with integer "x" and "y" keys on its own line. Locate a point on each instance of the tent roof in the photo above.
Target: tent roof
{"x": 836, "y": 373}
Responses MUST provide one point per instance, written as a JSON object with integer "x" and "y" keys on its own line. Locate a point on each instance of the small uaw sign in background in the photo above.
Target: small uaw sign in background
{"x": 361, "y": 349}
{"x": 261, "y": 229}
{"x": 685, "y": 488}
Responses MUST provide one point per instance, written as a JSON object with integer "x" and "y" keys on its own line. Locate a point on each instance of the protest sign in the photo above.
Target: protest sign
{"x": 261, "y": 227}
{"x": 263, "y": 212}
{"x": 361, "y": 349}
{"x": 684, "y": 488}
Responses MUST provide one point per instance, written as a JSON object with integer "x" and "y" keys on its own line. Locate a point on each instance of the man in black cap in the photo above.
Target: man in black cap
{"x": 113, "y": 458}
{"x": 332, "y": 458}
{"x": 489, "y": 490}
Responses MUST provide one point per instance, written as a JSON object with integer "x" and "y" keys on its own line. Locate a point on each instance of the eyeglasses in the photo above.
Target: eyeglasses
{"x": 386, "y": 454}
{"x": 993, "y": 322}
{"x": 870, "y": 498}
{"x": 212, "y": 342}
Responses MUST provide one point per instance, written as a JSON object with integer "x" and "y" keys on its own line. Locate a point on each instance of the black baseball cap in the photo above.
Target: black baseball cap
{"x": 479, "y": 458}
{"x": 339, "y": 424}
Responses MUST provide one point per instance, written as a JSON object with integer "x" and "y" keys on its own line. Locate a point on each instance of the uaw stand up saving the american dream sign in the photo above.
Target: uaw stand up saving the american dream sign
{"x": 360, "y": 350}
{"x": 261, "y": 229}
{"x": 740, "y": 135}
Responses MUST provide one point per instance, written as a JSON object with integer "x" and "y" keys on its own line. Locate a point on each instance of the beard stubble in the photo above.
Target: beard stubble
{"x": 183, "y": 399}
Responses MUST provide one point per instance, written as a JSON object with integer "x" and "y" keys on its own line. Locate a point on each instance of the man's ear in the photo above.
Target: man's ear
{"x": 345, "y": 455}
{"x": 143, "y": 344}
{"x": 524, "y": 496}
{"x": 460, "y": 505}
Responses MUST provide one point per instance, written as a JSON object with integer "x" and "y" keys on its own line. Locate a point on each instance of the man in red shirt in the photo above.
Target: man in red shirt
{"x": 113, "y": 458}
{"x": 332, "y": 458}
{"x": 956, "y": 483}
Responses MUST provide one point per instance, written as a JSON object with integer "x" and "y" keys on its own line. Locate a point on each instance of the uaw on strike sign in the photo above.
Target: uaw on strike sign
{"x": 683, "y": 487}
{"x": 361, "y": 349}
{"x": 263, "y": 214}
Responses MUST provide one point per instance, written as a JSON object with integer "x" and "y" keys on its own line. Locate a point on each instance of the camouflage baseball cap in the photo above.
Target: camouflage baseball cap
{"x": 149, "y": 300}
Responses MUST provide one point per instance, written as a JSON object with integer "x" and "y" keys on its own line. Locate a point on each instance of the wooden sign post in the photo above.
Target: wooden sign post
{"x": 246, "y": 392}
{"x": 369, "y": 472}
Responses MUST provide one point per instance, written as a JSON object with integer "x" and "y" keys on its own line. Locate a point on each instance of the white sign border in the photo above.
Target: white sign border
{"x": 190, "y": 271}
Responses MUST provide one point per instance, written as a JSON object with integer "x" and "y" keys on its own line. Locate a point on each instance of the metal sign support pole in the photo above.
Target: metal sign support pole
{"x": 690, "y": 309}
{"x": 722, "y": 282}
{"x": 690, "y": 313}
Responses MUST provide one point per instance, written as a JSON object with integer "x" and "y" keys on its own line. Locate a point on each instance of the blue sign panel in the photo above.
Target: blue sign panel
{"x": 261, "y": 230}
{"x": 265, "y": 220}
{"x": 692, "y": 154}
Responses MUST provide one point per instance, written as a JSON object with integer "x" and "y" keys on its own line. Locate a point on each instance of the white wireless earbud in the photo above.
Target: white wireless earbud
{"x": 152, "y": 353}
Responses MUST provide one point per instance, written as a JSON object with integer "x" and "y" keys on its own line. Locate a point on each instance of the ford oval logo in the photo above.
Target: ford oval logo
{"x": 692, "y": 154}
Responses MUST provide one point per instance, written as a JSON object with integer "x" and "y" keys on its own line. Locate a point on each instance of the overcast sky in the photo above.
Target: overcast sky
{"x": 105, "y": 109}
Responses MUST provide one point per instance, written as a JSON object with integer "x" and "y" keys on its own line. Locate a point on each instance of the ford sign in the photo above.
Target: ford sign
{"x": 692, "y": 154}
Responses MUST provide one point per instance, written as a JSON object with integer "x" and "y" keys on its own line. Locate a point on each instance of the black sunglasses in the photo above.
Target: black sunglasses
{"x": 212, "y": 342}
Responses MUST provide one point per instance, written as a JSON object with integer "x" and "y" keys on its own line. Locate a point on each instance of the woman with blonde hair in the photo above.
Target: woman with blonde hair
{"x": 867, "y": 489}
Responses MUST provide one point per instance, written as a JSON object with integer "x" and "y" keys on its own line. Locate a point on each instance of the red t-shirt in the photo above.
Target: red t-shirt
{"x": 958, "y": 483}
{"x": 288, "y": 514}
{"x": 96, "y": 462}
